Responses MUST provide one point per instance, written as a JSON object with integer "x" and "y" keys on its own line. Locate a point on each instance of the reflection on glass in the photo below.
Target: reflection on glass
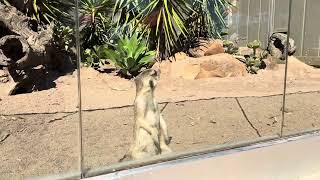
{"x": 220, "y": 82}
{"x": 302, "y": 98}
{"x": 38, "y": 120}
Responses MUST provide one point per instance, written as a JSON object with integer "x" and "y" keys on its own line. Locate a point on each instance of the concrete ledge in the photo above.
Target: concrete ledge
{"x": 281, "y": 155}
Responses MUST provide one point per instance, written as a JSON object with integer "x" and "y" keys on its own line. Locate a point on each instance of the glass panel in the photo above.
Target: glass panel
{"x": 38, "y": 89}
{"x": 302, "y": 98}
{"x": 210, "y": 92}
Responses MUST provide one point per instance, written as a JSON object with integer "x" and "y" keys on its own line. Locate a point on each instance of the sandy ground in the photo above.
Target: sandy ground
{"x": 39, "y": 131}
{"x": 46, "y": 144}
{"x": 100, "y": 91}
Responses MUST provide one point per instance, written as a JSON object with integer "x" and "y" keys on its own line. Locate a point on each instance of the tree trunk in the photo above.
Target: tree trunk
{"x": 22, "y": 47}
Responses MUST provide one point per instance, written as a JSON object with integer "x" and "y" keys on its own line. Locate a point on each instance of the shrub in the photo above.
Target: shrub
{"x": 63, "y": 37}
{"x": 95, "y": 57}
{"x": 96, "y": 26}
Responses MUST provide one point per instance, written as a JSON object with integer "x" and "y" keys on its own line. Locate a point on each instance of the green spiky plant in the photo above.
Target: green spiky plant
{"x": 129, "y": 55}
{"x": 44, "y": 11}
{"x": 96, "y": 26}
{"x": 210, "y": 17}
{"x": 170, "y": 21}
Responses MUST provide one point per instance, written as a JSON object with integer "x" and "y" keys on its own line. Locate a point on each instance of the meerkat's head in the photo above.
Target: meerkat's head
{"x": 147, "y": 79}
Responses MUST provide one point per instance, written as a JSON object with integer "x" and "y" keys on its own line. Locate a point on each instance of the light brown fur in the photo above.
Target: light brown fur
{"x": 150, "y": 131}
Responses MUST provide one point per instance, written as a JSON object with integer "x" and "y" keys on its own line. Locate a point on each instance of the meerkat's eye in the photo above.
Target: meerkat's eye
{"x": 154, "y": 73}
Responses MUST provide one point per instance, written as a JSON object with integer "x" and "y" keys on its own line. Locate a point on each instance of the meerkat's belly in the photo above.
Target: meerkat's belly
{"x": 145, "y": 143}
{"x": 153, "y": 118}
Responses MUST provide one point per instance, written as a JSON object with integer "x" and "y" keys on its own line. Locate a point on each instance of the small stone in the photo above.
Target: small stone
{"x": 192, "y": 123}
{"x": 212, "y": 122}
{"x": 4, "y": 136}
{"x": 286, "y": 110}
{"x": 3, "y": 73}
{"x": 3, "y": 77}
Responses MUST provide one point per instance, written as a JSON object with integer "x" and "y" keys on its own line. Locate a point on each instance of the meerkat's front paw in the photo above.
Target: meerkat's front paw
{"x": 168, "y": 141}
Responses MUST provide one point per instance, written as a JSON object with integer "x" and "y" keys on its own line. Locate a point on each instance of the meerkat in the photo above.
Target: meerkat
{"x": 150, "y": 130}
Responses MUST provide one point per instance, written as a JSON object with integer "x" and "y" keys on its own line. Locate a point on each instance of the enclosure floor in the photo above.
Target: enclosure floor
{"x": 44, "y": 144}
{"x": 101, "y": 91}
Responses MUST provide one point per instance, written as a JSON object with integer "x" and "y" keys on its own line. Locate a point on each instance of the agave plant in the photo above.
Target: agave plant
{"x": 130, "y": 54}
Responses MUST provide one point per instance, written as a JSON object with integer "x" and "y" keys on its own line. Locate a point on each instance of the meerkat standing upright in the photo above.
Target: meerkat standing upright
{"x": 150, "y": 130}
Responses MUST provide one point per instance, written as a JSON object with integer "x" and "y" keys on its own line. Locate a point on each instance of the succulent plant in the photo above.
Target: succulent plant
{"x": 254, "y": 62}
{"x": 230, "y": 47}
{"x": 254, "y": 45}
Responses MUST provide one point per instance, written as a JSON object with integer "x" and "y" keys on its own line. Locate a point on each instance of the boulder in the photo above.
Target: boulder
{"x": 178, "y": 56}
{"x": 298, "y": 68}
{"x": 278, "y": 43}
{"x": 204, "y": 45}
{"x": 219, "y": 65}
{"x": 187, "y": 69}
{"x": 215, "y": 48}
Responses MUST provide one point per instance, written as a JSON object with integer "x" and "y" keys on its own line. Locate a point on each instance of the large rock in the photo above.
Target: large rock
{"x": 178, "y": 56}
{"x": 278, "y": 43}
{"x": 215, "y": 48}
{"x": 220, "y": 65}
{"x": 187, "y": 69}
{"x": 297, "y": 68}
{"x": 208, "y": 47}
